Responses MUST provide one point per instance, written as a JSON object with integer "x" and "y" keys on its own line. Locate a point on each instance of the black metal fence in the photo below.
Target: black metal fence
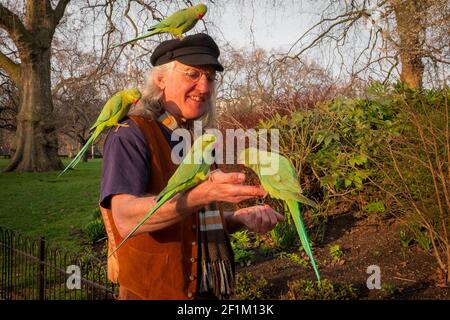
{"x": 32, "y": 269}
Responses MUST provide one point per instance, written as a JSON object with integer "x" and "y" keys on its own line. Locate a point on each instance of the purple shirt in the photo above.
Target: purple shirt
{"x": 126, "y": 162}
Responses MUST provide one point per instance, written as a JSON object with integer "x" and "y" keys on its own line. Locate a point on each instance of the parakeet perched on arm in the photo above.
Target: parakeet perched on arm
{"x": 176, "y": 24}
{"x": 283, "y": 184}
{"x": 193, "y": 170}
{"x": 114, "y": 110}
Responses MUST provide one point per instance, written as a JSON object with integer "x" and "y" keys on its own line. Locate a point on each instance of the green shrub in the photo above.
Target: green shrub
{"x": 414, "y": 170}
{"x": 325, "y": 290}
{"x": 95, "y": 230}
{"x": 242, "y": 247}
{"x": 336, "y": 254}
{"x": 284, "y": 234}
{"x": 250, "y": 288}
{"x": 294, "y": 257}
{"x": 335, "y": 142}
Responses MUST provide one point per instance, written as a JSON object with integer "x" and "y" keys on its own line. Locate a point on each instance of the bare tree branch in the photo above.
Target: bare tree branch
{"x": 11, "y": 23}
{"x": 58, "y": 13}
{"x": 11, "y": 68}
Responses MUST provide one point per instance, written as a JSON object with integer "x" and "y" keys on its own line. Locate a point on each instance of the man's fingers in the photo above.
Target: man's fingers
{"x": 265, "y": 221}
{"x": 219, "y": 176}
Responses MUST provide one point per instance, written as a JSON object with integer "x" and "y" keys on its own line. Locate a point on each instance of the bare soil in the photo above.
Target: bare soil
{"x": 409, "y": 272}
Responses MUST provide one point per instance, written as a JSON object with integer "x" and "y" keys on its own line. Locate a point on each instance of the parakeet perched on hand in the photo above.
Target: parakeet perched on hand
{"x": 114, "y": 110}
{"x": 193, "y": 170}
{"x": 281, "y": 183}
{"x": 177, "y": 23}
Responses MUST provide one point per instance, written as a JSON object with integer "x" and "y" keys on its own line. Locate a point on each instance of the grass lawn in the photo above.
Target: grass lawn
{"x": 40, "y": 204}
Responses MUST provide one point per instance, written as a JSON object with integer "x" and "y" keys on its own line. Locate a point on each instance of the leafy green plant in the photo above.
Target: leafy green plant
{"x": 405, "y": 239}
{"x": 374, "y": 207}
{"x": 250, "y": 288}
{"x": 388, "y": 288}
{"x": 266, "y": 250}
{"x": 284, "y": 234}
{"x": 294, "y": 257}
{"x": 336, "y": 141}
{"x": 325, "y": 290}
{"x": 421, "y": 237}
{"x": 242, "y": 248}
{"x": 241, "y": 239}
{"x": 95, "y": 230}
{"x": 336, "y": 253}
{"x": 414, "y": 170}
{"x": 243, "y": 256}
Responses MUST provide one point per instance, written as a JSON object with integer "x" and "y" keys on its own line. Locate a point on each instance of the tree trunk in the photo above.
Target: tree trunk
{"x": 36, "y": 144}
{"x": 409, "y": 17}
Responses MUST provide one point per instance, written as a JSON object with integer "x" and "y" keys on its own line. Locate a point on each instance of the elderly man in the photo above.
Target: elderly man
{"x": 183, "y": 250}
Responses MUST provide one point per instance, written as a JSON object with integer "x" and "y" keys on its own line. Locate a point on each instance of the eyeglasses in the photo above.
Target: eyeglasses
{"x": 195, "y": 75}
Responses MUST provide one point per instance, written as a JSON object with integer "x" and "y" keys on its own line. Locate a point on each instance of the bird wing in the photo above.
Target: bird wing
{"x": 111, "y": 107}
{"x": 185, "y": 172}
{"x": 284, "y": 183}
{"x": 173, "y": 21}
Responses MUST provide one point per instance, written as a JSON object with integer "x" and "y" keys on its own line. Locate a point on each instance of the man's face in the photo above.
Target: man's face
{"x": 188, "y": 90}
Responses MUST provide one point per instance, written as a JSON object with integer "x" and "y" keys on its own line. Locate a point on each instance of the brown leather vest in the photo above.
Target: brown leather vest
{"x": 161, "y": 264}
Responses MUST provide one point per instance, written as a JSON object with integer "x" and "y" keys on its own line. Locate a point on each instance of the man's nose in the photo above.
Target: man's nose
{"x": 203, "y": 84}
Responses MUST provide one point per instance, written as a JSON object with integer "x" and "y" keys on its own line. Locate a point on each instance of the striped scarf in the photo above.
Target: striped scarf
{"x": 216, "y": 255}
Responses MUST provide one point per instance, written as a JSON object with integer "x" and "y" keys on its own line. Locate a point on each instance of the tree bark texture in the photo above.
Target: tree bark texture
{"x": 409, "y": 17}
{"x": 35, "y": 146}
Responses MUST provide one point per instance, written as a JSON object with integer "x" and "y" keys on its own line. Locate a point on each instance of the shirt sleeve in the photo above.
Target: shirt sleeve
{"x": 126, "y": 164}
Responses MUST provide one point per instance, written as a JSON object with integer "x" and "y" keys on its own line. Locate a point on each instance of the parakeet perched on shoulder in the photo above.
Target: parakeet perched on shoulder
{"x": 114, "y": 110}
{"x": 281, "y": 183}
{"x": 176, "y": 24}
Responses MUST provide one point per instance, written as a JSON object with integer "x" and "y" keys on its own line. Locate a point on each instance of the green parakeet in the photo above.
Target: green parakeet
{"x": 114, "y": 110}
{"x": 279, "y": 178}
{"x": 192, "y": 170}
{"x": 177, "y": 23}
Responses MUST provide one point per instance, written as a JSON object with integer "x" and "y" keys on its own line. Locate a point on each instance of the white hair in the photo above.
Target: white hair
{"x": 151, "y": 107}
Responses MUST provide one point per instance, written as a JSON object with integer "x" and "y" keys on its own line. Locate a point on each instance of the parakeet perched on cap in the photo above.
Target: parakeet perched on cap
{"x": 176, "y": 24}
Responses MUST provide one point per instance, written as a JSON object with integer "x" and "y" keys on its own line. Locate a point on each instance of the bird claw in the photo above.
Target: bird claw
{"x": 126, "y": 125}
{"x": 261, "y": 201}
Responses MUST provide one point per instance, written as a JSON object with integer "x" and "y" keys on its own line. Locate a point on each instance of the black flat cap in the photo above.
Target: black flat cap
{"x": 194, "y": 50}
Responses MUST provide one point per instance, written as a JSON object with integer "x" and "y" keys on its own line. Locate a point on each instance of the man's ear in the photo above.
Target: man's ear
{"x": 160, "y": 81}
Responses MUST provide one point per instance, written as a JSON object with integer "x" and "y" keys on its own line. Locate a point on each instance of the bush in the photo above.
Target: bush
{"x": 334, "y": 146}
{"x": 386, "y": 153}
{"x": 242, "y": 248}
{"x": 417, "y": 174}
{"x": 249, "y": 288}
{"x": 95, "y": 230}
{"x": 325, "y": 290}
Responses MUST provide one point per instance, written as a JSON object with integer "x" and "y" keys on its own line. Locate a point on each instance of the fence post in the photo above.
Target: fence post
{"x": 9, "y": 267}
{"x": 41, "y": 273}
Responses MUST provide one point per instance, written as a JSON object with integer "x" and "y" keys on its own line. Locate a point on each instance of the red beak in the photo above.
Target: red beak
{"x": 135, "y": 101}
{"x": 200, "y": 15}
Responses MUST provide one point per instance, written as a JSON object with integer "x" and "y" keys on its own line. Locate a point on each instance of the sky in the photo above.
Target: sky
{"x": 262, "y": 25}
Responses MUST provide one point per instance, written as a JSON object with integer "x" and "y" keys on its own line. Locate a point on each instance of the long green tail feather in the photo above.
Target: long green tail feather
{"x": 80, "y": 154}
{"x": 160, "y": 202}
{"x": 294, "y": 208}
{"x": 134, "y": 39}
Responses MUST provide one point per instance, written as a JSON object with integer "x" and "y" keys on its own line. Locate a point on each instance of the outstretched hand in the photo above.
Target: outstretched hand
{"x": 259, "y": 219}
